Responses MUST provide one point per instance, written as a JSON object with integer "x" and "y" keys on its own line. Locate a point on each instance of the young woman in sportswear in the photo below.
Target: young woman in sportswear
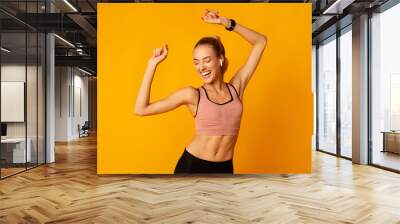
{"x": 216, "y": 105}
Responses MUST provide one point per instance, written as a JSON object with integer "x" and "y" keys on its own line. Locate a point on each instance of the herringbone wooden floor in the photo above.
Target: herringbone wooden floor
{"x": 70, "y": 191}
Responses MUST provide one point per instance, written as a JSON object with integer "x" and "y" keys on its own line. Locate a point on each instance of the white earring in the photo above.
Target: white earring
{"x": 220, "y": 62}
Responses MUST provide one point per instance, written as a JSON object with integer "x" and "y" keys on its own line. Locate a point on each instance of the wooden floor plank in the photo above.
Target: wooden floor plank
{"x": 70, "y": 191}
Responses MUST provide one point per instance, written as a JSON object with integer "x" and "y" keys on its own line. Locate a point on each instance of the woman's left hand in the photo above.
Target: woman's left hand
{"x": 212, "y": 16}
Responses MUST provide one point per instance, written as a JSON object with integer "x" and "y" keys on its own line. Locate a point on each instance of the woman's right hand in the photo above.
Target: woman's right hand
{"x": 213, "y": 17}
{"x": 159, "y": 54}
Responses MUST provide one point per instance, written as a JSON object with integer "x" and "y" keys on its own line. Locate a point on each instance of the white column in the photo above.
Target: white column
{"x": 360, "y": 90}
{"x": 50, "y": 99}
{"x": 50, "y": 92}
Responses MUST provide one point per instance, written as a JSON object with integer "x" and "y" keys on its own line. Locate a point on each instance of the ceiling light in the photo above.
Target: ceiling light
{"x": 5, "y": 50}
{"x": 64, "y": 40}
{"x": 84, "y": 71}
{"x": 337, "y": 7}
{"x": 70, "y": 5}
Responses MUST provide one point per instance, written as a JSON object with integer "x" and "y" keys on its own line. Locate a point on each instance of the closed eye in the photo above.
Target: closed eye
{"x": 205, "y": 59}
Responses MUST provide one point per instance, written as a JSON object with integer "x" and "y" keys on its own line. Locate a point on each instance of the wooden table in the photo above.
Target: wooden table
{"x": 391, "y": 141}
{"x": 13, "y": 150}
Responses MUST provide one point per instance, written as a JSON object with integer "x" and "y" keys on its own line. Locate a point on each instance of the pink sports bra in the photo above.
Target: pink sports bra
{"x": 218, "y": 118}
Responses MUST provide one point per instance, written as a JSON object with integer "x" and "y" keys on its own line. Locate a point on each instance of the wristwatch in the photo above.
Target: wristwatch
{"x": 231, "y": 25}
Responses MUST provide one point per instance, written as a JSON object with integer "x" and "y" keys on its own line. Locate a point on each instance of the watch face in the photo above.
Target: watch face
{"x": 231, "y": 25}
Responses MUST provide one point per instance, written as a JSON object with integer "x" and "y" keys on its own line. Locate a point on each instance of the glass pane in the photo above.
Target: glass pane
{"x": 14, "y": 153}
{"x": 32, "y": 95}
{"x": 41, "y": 98}
{"x": 386, "y": 88}
{"x": 32, "y": 83}
{"x": 327, "y": 96}
{"x": 314, "y": 73}
{"x": 346, "y": 94}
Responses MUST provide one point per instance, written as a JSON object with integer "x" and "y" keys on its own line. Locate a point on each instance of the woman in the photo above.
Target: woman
{"x": 216, "y": 105}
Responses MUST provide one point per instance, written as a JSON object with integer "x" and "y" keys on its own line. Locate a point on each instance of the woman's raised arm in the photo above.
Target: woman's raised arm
{"x": 180, "y": 97}
{"x": 257, "y": 40}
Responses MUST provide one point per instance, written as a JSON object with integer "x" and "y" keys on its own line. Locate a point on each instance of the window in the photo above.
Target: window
{"x": 327, "y": 95}
{"x": 385, "y": 88}
{"x": 346, "y": 93}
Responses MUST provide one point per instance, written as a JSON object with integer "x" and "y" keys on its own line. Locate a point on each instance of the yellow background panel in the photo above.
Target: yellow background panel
{"x": 277, "y": 123}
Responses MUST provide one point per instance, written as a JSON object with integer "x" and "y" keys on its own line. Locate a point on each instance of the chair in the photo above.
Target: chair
{"x": 84, "y": 130}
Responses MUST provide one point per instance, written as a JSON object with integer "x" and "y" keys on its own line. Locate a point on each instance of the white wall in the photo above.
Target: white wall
{"x": 71, "y": 93}
{"x": 16, "y": 73}
{"x": 33, "y": 127}
{"x": 62, "y": 80}
{"x": 80, "y": 84}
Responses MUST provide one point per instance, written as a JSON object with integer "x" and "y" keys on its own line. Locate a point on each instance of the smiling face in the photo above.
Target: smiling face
{"x": 207, "y": 63}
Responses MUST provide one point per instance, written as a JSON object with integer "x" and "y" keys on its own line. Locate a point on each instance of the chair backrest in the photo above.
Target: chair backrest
{"x": 86, "y": 125}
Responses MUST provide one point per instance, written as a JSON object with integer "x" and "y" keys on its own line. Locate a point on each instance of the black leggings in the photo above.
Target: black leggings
{"x": 188, "y": 163}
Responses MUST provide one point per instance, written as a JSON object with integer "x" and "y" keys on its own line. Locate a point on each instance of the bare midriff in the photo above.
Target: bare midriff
{"x": 213, "y": 148}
